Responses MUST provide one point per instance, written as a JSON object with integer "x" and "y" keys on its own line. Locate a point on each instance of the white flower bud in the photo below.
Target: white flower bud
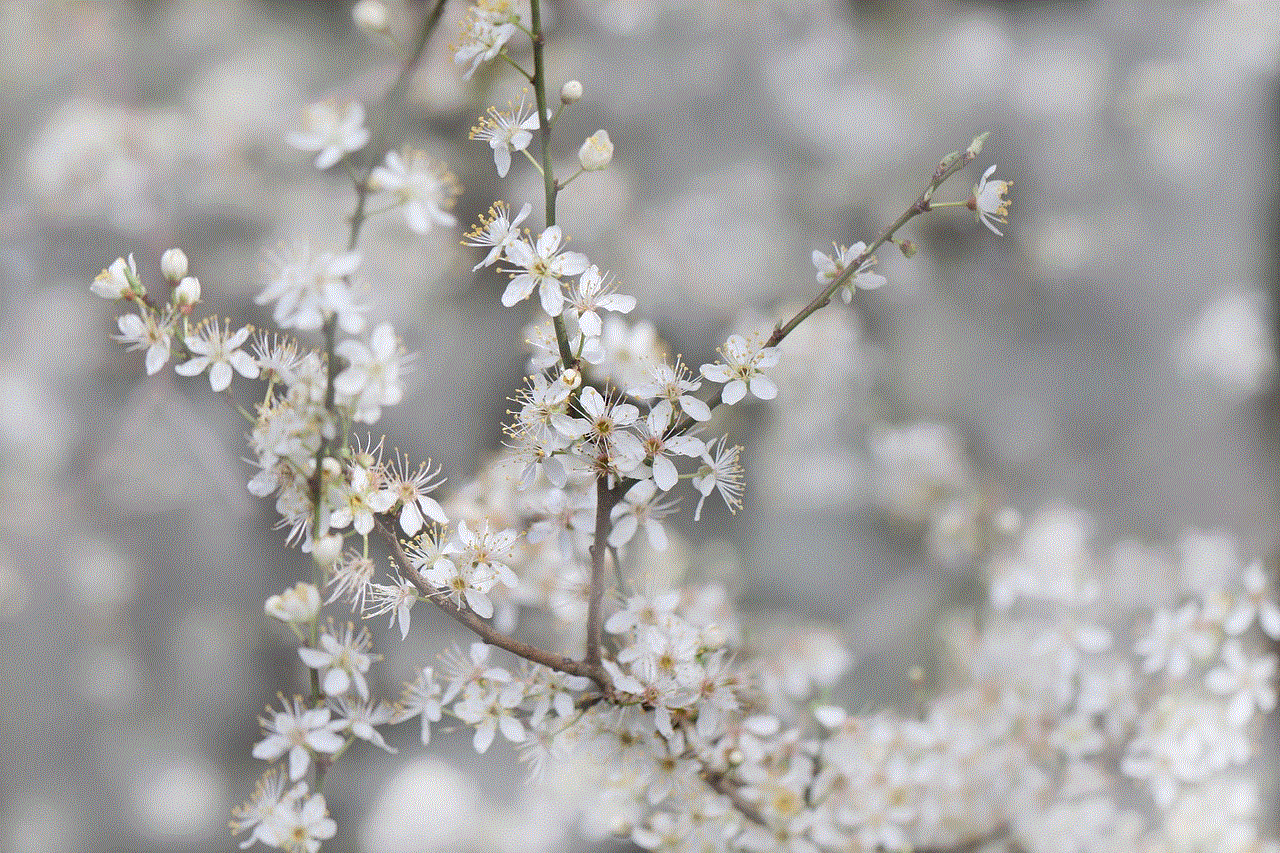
{"x": 298, "y": 604}
{"x": 187, "y": 293}
{"x": 328, "y": 549}
{"x": 173, "y": 264}
{"x": 571, "y": 378}
{"x": 371, "y": 16}
{"x": 115, "y": 280}
{"x": 830, "y": 716}
{"x": 570, "y": 92}
{"x": 596, "y": 152}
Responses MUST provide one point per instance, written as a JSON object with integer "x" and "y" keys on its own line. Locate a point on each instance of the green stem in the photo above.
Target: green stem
{"x": 549, "y": 185}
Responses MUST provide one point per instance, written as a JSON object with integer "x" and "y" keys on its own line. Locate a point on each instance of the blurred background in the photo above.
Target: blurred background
{"x": 1112, "y": 352}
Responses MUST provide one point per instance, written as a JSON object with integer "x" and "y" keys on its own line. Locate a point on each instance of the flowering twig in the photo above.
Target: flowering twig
{"x": 949, "y": 165}
{"x": 550, "y": 188}
{"x": 481, "y": 628}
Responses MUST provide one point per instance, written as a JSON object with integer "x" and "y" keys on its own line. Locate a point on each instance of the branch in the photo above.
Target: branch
{"x": 483, "y": 629}
{"x": 606, "y": 499}
{"x": 950, "y": 164}
{"x": 721, "y": 785}
{"x": 549, "y": 186}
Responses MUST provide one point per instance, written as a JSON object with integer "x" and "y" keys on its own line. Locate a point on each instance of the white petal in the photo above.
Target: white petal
{"x": 502, "y": 159}
{"x": 763, "y": 388}
{"x": 512, "y": 729}
{"x": 518, "y": 290}
{"x": 733, "y": 392}
{"x": 695, "y": 408}
{"x": 657, "y": 535}
{"x": 220, "y": 376}
{"x": 664, "y": 473}
{"x": 552, "y": 296}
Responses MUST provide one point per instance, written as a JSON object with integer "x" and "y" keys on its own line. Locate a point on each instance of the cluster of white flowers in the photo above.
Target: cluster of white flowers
{"x": 1074, "y": 709}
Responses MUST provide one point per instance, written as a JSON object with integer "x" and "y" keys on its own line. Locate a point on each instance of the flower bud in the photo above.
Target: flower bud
{"x": 371, "y": 16}
{"x": 328, "y": 549}
{"x": 570, "y": 92}
{"x": 908, "y": 248}
{"x": 975, "y": 147}
{"x": 187, "y": 293}
{"x": 301, "y": 603}
{"x": 830, "y": 716}
{"x": 116, "y": 280}
{"x": 173, "y": 264}
{"x": 596, "y": 152}
{"x": 571, "y": 378}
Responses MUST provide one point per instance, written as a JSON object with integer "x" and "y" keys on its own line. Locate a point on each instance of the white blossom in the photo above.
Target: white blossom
{"x": 497, "y": 230}
{"x": 116, "y": 280}
{"x": 218, "y": 350}
{"x": 989, "y": 201}
{"x": 298, "y": 731}
{"x": 542, "y": 265}
{"x": 425, "y": 189}
{"x": 741, "y": 370}
{"x": 331, "y": 129}
{"x": 506, "y": 131}
{"x": 371, "y": 378}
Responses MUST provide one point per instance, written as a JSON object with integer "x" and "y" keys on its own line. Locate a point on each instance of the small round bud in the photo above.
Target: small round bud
{"x": 371, "y": 16}
{"x": 328, "y": 549}
{"x": 173, "y": 263}
{"x": 187, "y": 293}
{"x": 331, "y": 467}
{"x": 571, "y": 378}
{"x": 570, "y": 92}
{"x": 596, "y": 152}
{"x": 908, "y": 248}
{"x": 300, "y": 603}
{"x": 830, "y": 716}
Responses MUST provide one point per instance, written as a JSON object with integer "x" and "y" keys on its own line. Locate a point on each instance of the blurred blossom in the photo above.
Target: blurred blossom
{"x": 402, "y": 820}
{"x": 175, "y": 798}
{"x": 1230, "y": 38}
{"x": 975, "y": 56}
{"x": 917, "y": 468}
{"x": 1210, "y": 560}
{"x": 1062, "y": 83}
{"x": 109, "y": 678}
{"x": 91, "y": 159}
{"x": 1053, "y": 561}
{"x": 102, "y": 580}
{"x": 15, "y": 591}
{"x": 40, "y": 822}
{"x": 242, "y": 108}
{"x": 36, "y": 434}
{"x": 1230, "y": 344}
{"x": 1162, "y": 104}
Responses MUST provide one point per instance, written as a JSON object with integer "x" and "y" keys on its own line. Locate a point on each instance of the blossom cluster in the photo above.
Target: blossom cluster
{"x": 703, "y": 732}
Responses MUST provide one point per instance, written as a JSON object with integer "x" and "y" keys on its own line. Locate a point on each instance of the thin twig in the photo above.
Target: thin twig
{"x": 481, "y": 628}
{"x": 606, "y": 498}
{"x": 922, "y": 204}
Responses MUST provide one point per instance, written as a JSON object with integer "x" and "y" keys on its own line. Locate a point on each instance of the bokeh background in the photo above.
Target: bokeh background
{"x": 1112, "y": 352}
